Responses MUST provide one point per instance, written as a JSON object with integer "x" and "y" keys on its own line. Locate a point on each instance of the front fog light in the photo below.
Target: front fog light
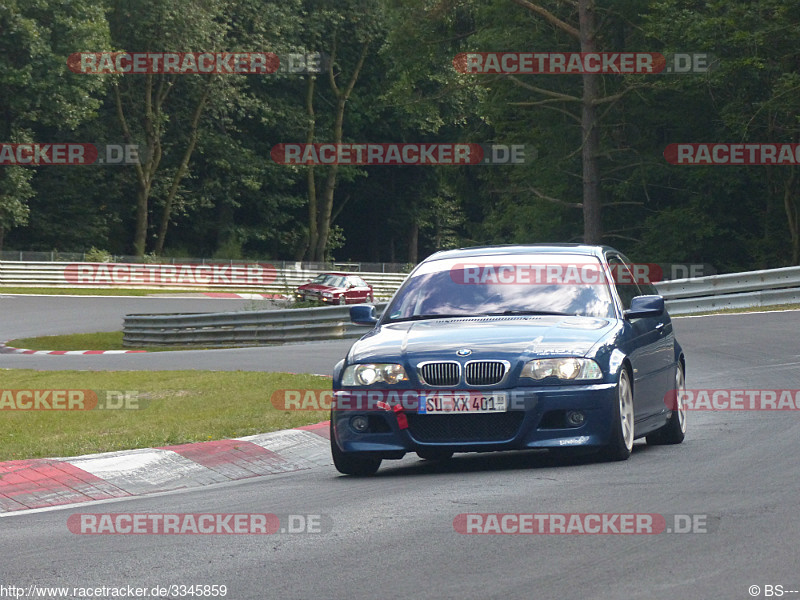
{"x": 575, "y": 418}
{"x": 360, "y": 423}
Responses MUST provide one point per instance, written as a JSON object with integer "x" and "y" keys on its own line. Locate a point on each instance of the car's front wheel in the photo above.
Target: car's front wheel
{"x": 352, "y": 464}
{"x": 342, "y": 300}
{"x": 675, "y": 429}
{"x": 621, "y": 443}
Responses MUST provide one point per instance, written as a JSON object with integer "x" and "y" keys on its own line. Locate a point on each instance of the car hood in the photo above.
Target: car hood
{"x": 486, "y": 337}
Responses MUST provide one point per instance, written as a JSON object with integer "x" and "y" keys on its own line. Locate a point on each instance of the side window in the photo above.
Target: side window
{"x": 643, "y": 275}
{"x": 623, "y": 281}
{"x": 357, "y": 281}
{"x": 648, "y": 289}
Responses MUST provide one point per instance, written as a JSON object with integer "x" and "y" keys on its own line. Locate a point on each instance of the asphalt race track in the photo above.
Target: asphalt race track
{"x": 21, "y": 316}
{"x": 392, "y": 535}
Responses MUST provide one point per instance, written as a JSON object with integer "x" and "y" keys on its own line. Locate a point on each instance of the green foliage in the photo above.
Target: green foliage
{"x": 95, "y": 255}
{"x": 234, "y": 201}
{"x": 38, "y": 90}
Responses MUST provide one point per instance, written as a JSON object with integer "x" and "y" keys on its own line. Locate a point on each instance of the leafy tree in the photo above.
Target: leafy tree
{"x": 36, "y": 87}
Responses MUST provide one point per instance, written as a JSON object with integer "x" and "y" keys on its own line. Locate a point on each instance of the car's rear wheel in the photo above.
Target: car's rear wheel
{"x": 675, "y": 429}
{"x": 621, "y": 443}
{"x": 352, "y": 464}
{"x": 434, "y": 454}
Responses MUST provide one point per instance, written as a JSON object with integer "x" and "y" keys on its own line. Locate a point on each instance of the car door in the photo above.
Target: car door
{"x": 350, "y": 290}
{"x": 361, "y": 289}
{"x": 644, "y": 343}
{"x": 665, "y": 355}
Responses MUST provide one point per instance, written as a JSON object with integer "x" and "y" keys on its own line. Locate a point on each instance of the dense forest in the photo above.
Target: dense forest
{"x": 595, "y": 169}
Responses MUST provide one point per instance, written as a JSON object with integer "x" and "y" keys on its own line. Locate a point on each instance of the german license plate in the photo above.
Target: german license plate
{"x": 462, "y": 403}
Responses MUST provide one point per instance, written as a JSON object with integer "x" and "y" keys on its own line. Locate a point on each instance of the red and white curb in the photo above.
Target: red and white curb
{"x": 41, "y": 483}
{"x": 11, "y": 350}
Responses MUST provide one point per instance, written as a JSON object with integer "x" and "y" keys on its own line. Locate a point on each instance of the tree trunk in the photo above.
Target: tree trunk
{"x": 791, "y": 214}
{"x": 324, "y": 221}
{"x": 342, "y": 95}
{"x": 413, "y": 240}
{"x": 140, "y": 233}
{"x": 592, "y": 227}
{"x": 145, "y": 172}
{"x": 311, "y": 181}
{"x": 184, "y": 166}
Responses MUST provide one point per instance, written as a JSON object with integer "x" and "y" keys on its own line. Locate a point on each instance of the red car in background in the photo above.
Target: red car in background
{"x": 336, "y": 288}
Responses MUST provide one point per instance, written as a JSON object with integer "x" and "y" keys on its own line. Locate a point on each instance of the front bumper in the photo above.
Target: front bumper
{"x": 535, "y": 420}
{"x": 313, "y": 296}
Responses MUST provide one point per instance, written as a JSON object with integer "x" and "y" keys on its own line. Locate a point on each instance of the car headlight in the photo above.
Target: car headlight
{"x": 369, "y": 373}
{"x": 563, "y": 368}
{"x": 327, "y": 295}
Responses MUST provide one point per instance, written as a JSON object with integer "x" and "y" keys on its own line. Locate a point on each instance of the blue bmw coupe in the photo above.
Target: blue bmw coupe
{"x": 510, "y": 348}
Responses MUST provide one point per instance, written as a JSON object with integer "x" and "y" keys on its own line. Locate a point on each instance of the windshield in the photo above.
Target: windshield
{"x": 331, "y": 280}
{"x": 505, "y": 286}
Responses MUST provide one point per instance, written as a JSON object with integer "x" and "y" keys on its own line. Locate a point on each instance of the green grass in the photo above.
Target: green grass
{"x": 176, "y": 407}
{"x": 104, "y": 340}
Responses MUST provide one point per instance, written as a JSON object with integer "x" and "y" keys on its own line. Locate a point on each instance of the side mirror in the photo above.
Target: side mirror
{"x": 363, "y": 314}
{"x": 645, "y": 306}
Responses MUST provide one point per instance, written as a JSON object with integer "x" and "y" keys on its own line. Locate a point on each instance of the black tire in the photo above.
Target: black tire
{"x": 621, "y": 443}
{"x": 434, "y": 454}
{"x": 352, "y": 464}
{"x": 675, "y": 429}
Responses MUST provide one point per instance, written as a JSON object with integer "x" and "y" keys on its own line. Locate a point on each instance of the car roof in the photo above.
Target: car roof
{"x": 580, "y": 249}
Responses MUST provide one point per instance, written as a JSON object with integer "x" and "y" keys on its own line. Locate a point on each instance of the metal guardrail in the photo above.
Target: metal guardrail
{"x": 282, "y": 281}
{"x": 683, "y": 296}
{"x": 256, "y": 327}
{"x": 751, "y": 289}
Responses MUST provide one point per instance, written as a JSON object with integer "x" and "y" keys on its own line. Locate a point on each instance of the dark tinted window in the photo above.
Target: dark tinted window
{"x": 624, "y": 282}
